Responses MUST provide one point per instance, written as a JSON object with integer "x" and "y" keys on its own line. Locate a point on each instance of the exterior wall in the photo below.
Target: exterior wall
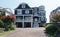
{"x": 39, "y": 13}
{"x": 24, "y": 18}
{"x": 32, "y": 15}
{"x": 42, "y": 14}
{"x": 56, "y": 11}
{"x": 2, "y": 11}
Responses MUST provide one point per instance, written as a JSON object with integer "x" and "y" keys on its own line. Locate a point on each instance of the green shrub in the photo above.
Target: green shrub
{"x": 42, "y": 25}
{"x": 1, "y": 30}
{"x": 51, "y": 29}
{"x": 12, "y": 27}
{"x": 1, "y": 24}
{"x": 7, "y": 28}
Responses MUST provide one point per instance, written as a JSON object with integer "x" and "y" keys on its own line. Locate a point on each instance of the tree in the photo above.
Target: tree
{"x": 55, "y": 18}
{"x": 8, "y": 19}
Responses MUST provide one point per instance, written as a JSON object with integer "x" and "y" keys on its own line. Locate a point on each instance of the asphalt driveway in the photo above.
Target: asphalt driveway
{"x": 27, "y": 32}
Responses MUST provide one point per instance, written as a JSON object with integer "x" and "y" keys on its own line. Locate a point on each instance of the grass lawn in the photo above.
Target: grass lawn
{"x": 4, "y": 33}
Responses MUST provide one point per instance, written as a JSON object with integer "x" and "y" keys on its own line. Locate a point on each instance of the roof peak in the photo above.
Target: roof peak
{"x": 23, "y": 3}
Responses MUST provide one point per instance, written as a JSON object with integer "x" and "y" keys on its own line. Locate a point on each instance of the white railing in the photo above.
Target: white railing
{"x": 19, "y": 20}
{"x": 24, "y": 20}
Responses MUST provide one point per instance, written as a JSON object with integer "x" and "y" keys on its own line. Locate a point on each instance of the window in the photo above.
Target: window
{"x": 27, "y": 18}
{"x": 19, "y": 17}
{"x": 58, "y": 9}
{"x": 27, "y": 11}
{"x": 23, "y": 6}
{"x": 42, "y": 18}
{"x": 19, "y": 12}
{"x": 35, "y": 19}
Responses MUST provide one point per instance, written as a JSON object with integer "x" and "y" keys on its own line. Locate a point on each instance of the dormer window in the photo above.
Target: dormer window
{"x": 23, "y": 6}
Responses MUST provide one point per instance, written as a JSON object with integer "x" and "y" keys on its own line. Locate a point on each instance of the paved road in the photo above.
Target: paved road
{"x": 27, "y": 32}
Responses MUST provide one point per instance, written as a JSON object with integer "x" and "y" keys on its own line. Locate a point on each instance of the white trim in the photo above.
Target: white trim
{"x": 23, "y": 24}
{"x": 36, "y": 19}
{"x": 19, "y": 12}
{"x": 23, "y": 6}
{"x": 31, "y": 24}
{"x": 27, "y": 11}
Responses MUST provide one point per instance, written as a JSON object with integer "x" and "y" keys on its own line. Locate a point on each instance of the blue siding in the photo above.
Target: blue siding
{"x": 30, "y": 11}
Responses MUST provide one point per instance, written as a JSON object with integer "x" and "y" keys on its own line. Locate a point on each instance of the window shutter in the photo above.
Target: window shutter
{"x": 23, "y": 11}
{"x": 15, "y": 11}
{"x": 30, "y": 11}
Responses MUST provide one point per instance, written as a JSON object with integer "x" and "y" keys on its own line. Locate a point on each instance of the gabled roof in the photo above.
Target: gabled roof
{"x": 20, "y": 6}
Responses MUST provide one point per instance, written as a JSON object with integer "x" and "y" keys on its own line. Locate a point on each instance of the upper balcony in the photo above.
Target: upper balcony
{"x": 24, "y": 19}
{"x": 19, "y": 20}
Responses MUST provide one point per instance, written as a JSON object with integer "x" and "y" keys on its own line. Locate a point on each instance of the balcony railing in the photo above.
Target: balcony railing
{"x": 24, "y": 20}
{"x": 19, "y": 20}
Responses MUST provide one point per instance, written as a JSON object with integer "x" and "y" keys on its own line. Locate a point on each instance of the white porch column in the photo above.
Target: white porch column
{"x": 31, "y": 21}
{"x": 31, "y": 24}
{"x": 23, "y": 24}
{"x": 15, "y": 21}
{"x": 23, "y": 21}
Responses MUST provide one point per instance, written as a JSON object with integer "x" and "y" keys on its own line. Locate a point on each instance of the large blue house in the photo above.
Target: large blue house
{"x": 29, "y": 17}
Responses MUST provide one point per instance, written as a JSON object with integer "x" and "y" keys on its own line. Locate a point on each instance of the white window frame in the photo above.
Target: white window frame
{"x": 42, "y": 18}
{"x": 19, "y": 11}
{"x": 36, "y": 19}
{"x": 27, "y": 18}
{"x": 27, "y": 11}
{"x": 23, "y": 6}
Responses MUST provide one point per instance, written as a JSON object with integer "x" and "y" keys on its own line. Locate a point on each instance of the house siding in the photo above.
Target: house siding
{"x": 29, "y": 18}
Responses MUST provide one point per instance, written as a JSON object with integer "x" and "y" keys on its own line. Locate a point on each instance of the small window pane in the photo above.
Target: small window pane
{"x": 19, "y": 12}
{"x": 23, "y": 6}
{"x": 35, "y": 19}
{"x": 27, "y": 11}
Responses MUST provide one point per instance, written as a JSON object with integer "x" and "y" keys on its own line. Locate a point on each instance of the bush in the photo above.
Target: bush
{"x": 7, "y": 28}
{"x": 1, "y": 24}
{"x": 42, "y": 25}
{"x": 1, "y": 30}
{"x": 57, "y": 34}
{"x": 10, "y": 27}
{"x": 51, "y": 29}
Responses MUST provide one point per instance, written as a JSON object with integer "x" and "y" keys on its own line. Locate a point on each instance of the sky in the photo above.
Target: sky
{"x": 49, "y": 4}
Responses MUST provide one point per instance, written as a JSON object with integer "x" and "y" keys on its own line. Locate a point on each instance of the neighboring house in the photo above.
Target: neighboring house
{"x": 2, "y": 11}
{"x": 5, "y": 11}
{"x": 56, "y": 11}
{"x": 29, "y": 17}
